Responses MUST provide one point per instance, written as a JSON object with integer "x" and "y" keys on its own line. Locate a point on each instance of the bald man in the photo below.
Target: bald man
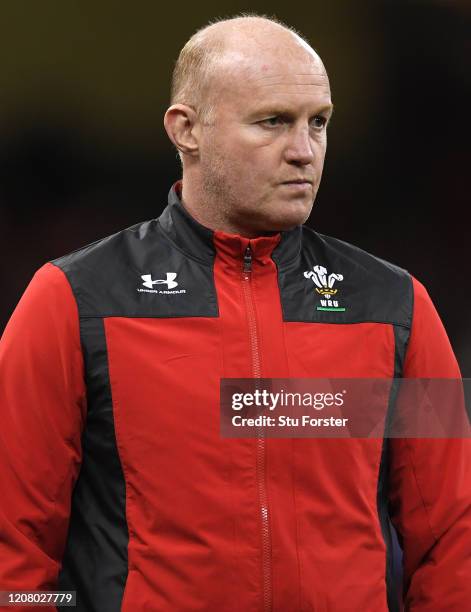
{"x": 116, "y": 481}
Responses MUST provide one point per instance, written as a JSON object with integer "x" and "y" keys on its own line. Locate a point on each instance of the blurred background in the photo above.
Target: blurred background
{"x": 83, "y": 153}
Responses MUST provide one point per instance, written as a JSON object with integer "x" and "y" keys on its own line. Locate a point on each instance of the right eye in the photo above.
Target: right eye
{"x": 272, "y": 121}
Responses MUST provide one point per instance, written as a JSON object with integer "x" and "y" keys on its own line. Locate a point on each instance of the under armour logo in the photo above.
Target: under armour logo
{"x": 169, "y": 281}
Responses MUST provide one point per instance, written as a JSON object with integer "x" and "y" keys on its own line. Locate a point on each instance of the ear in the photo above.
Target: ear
{"x": 180, "y": 122}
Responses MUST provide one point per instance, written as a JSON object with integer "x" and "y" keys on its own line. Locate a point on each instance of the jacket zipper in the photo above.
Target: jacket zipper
{"x": 261, "y": 443}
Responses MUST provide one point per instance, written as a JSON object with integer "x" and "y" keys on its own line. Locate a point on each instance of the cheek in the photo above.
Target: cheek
{"x": 319, "y": 161}
{"x": 320, "y": 149}
{"x": 262, "y": 164}
{"x": 247, "y": 166}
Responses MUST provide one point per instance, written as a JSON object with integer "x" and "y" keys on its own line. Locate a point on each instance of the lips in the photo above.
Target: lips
{"x": 298, "y": 186}
{"x": 297, "y": 182}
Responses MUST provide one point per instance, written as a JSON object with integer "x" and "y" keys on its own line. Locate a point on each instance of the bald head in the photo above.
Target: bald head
{"x": 223, "y": 50}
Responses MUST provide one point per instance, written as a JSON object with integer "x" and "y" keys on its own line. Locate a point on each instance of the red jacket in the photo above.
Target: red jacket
{"x": 116, "y": 483}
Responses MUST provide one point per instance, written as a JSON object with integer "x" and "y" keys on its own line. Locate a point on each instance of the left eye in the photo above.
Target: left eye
{"x": 319, "y": 121}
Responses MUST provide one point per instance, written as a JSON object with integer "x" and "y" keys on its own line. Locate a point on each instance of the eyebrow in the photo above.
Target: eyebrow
{"x": 279, "y": 110}
{"x": 328, "y": 107}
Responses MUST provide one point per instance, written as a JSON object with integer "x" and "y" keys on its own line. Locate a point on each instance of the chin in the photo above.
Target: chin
{"x": 287, "y": 220}
{"x": 275, "y": 216}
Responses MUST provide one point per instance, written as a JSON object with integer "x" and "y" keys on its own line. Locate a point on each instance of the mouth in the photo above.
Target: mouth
{"x": 297, "y": 182}
{"x": 298, "y": 186}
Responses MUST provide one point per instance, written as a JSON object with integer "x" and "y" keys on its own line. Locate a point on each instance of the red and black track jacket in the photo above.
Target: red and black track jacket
{"x": 116, "y": 483}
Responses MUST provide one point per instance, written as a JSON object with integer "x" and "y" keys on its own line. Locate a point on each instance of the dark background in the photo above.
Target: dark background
{"x": 83, "y": 152}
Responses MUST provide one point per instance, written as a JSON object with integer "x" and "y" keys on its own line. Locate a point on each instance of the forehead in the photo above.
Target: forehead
{"x": 281, "y": 81}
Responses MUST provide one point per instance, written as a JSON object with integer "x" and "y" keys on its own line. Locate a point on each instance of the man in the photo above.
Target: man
{"x": 166, "y": 514}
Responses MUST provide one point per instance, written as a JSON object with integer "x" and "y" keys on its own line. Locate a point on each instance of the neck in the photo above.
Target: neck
{"x": 210, "y": 210}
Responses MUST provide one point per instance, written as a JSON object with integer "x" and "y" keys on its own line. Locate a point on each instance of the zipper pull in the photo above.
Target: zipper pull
{"x": 248, "y": 259}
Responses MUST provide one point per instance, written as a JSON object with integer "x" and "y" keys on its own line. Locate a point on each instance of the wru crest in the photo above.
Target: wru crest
{"x": 324, "y": 284}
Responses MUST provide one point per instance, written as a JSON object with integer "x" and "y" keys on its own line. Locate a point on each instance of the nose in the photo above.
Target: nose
{"x": 300, "y": 146}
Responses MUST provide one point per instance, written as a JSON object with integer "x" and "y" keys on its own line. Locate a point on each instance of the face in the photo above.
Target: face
{"x": 262, "y": 157}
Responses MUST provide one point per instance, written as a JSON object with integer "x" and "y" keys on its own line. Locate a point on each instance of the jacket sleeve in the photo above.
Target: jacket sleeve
{"x": 430, "y": 485}
{"x": 42, "y": 412}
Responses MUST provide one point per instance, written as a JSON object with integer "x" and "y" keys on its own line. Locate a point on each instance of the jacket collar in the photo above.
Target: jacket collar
{"x": 201, "y": 243}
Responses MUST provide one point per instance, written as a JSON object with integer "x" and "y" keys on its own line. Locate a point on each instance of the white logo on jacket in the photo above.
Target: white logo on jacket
{"x": 324, "y": 283}
{"x": 325, "y": 287}
{"x": 170, "y": 281}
